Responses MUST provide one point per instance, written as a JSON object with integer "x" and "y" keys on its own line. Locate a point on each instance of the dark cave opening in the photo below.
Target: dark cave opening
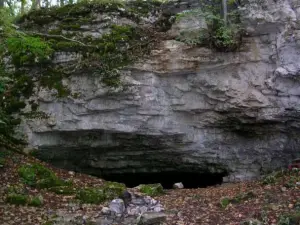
{"x": 167, "y": 179}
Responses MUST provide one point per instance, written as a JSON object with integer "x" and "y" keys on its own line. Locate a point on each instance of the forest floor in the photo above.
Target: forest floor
{"x": 275, "y": 201}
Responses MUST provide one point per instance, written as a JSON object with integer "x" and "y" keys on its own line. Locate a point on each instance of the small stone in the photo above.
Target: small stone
{"x": 143, "y": 209}
{"x": 291, "y": 206}
{"x": 153, "y": 202}
{"x": 178, "y": 185}
{"x": 158, "y": 209}
{"x": 117, "y": 206}
{"x": 283, "y": 189}
{"x": 150, "y": 218}
{"x": 71, "y": 173}
{"x": 148, "y": 200}
{"x": 105, "y": 211}
{"x": 138, "y": 201}
{"x": 133, "y": 211}
{"x": 298, "y": 183}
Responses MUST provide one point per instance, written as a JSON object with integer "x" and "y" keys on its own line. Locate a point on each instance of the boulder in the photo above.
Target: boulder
{"x": 178, "y": 185}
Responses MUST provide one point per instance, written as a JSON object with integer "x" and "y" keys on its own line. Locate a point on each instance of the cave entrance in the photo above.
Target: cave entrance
{"x": 167, "y": 179}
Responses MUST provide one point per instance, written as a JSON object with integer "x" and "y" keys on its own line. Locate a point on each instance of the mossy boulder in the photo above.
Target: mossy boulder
{"x": 91, "y": 195}
{"x": 151, "y": 189}
{"x": 96, "y": 195}
{"x": 113, "y": 189}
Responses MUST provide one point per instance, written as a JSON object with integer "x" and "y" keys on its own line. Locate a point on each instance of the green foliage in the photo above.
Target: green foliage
{"x": 23, "y": 49}
{"x": 290, "y": 219}
{"x": 287, "y": 178}
{"x": 270, "y": 179}
{"x": 17, "y": 199}
{"x": 151, "y": 189}
{"x": 36, "y": 175}
{"x": 224, "y": 202}
{"x": 53, "y": 80}
{"x": 116, "y": 50}
{"x": 18, "y": 195}
{"x": 113, "y": 189}
{"x": 5, "y": 22}
{"x": 28, "y": 50}
{"x": 221, "y": 35}
{"x": 36, "y": 201}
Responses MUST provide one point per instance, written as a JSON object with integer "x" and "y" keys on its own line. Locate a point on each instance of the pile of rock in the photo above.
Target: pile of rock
{"x": 133, "y": 209}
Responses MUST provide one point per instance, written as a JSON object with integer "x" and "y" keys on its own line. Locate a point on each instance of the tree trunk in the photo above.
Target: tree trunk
{"x": 1, "y": 3}
{"x": 224, "y": 4}
{"x": 22, "y": 10}
{"x": 47, "y": 3}
{"x": 36, "y": 4}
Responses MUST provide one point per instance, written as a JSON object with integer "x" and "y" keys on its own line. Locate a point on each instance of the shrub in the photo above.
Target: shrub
{"x": 28, "y": 50}
{"x": 221, "y": 35}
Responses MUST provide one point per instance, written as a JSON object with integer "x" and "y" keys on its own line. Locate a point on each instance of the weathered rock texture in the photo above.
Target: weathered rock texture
{"x": 185, "y": 108}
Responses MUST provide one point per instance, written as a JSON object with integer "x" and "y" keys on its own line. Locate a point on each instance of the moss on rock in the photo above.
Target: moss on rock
{"x": 96, "y": 195}
{"x": 152, "y": 189}
{"x": 91, "y": 195}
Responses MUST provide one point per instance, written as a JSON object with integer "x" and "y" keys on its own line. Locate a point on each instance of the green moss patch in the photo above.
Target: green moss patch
{"x": 18, "y": 195}
{"x": 152, "y": 189}
{"x": 131, "y": 9}
{"x": 36, "y": 175}
{"x": 113, "y": 189}
{"x": 108, "y": 191}
{"x": 224, "y": 202}
{"x": 91, "y": 195}
{"x": 36, "y": 201}
{"x": 22, "y": 199}
{"x": 63, "y": 190}
{"x": 17, "y": 199}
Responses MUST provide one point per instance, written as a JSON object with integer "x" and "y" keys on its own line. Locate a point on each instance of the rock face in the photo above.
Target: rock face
{"x": 185, "y": 108}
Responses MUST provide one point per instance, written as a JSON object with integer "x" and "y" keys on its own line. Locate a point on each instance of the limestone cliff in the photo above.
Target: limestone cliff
{"x": 180, "y": 107}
